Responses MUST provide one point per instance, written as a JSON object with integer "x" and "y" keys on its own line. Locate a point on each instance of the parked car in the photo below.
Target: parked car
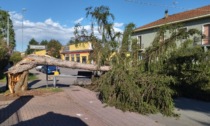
{"x": 38, "y": 68}
{"x": 50, "y": 69}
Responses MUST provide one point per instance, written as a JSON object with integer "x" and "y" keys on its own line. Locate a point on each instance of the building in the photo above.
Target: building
{"x": 40, "y": 52}
{"x": 79, "y": 52}
{"x": 193, "y": 19}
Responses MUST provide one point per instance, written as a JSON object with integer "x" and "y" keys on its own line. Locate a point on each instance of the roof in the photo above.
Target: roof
{"x": 179, "y": 17}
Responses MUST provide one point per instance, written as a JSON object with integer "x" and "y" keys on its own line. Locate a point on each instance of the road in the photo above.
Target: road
{"x": 74, "y": 106}
{"x": 85, "y": 106}
{"x": 61, "y": 81}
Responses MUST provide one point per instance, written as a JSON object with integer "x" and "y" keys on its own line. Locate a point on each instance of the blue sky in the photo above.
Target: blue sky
{"x": 55, "y": 19}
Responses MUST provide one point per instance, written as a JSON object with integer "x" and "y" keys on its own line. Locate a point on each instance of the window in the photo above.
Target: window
{"x": 67, "y": 58}
{"x": 206, "y": 34}
{"x": 78, "y": 58}
{"x": 139, "y": 42}
{"x": 72, "y": 57}
{"x": 84, "y": 59}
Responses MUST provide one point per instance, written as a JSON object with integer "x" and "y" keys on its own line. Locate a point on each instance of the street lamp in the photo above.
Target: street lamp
{"x": 23, "y": 10}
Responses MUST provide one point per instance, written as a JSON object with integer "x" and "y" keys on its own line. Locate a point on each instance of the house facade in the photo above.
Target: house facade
{"x": 41, "y": 52}
{"x": 79, "y": 52}
{"x": 193, "y": 19}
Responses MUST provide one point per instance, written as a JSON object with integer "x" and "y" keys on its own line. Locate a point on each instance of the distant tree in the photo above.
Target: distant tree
{"x": 72, "y": 40}
{"x": 103, "y": 18}
{"x": 5, "y": 51}
{"x": 3, "y": 28}
{"x": 16, "y": 57}
{"x": 31, "y": 42}
{"x": 4, "y": 56}
{"x": 44, "y": 42}
{"x": 53, "y": 48}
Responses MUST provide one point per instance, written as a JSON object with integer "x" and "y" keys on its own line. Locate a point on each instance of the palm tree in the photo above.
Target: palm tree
{"x": 102, "y": 16}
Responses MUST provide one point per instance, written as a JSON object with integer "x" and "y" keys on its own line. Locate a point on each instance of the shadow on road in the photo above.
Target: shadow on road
{"x": 33, "y": 83}
{"x": 190, "y": 104}
{"x": 53, "y": 119}
{"x": 201, "y": 123}
{"x": 5, "y": 113}
{"x": 3, "y": 88}
{"x": 197, "y": 107}
{"x": 51, "y": 85}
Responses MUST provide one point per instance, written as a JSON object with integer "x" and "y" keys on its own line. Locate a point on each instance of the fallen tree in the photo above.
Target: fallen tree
{"x": 18, "y": 74}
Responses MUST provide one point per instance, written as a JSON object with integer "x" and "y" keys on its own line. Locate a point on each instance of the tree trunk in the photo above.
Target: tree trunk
{"x": 22, "y": 84}
{"x": 18, "y": 74}
{"x": 32, "y": 61}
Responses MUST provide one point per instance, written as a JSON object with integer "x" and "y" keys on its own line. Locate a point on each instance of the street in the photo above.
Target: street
{"x": 80, "y": 106}
{"x": 61, "y": 81}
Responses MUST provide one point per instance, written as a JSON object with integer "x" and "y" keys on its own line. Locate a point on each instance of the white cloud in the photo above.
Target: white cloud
{"x": 15, "y": 15}
{"x": 79, "y": 20}
{"x": 46, "y": 30}
{"x": 118, "y": 24}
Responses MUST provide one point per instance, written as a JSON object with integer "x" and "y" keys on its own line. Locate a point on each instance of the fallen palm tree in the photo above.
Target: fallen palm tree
{"x": 18, "y": 74}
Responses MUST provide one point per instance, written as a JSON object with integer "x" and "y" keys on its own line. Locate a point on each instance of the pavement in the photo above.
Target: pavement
{"x": 77, "y": 106}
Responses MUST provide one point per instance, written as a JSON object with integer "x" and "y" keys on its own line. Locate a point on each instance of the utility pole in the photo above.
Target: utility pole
{"x": 23, "y": 10}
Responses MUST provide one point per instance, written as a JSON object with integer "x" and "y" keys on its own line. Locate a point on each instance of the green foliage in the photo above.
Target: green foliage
{"x": 104, "y": 47}
{"x": 128, "y": 87}
{"x": 31, "y": 42}
{"x": 53, "y": 48}
{"x": 126, "y": 37}
{"x": 186, "y": 63}
{"x": 16, "y": 57}
{"x": 4, "y": 56}
{"x": 4, "y": 50}
{"x": 136, "y": 91}
{"x": 32, "y": 77}
{"x": 3, "y": 28}
{"x": 190, "y": 68}
{"x": 44, "y": 42}
{"x": 102, "y": 16}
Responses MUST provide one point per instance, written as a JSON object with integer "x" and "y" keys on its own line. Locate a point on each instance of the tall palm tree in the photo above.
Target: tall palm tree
{"x": 103, "y": 18}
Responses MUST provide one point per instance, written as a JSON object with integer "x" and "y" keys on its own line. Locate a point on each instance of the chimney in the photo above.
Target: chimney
{"x": 166, "y": 13}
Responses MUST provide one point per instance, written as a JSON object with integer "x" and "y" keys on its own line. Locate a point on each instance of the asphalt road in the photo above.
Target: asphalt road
{"x": 61, "y": 80}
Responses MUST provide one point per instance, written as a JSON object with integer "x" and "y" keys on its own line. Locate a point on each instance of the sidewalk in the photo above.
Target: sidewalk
{"x": 74, "y": 106}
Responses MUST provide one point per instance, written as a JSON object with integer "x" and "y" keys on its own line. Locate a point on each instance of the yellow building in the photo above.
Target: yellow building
{"x": 40, "y": 52}
{"x": 77, "y": 52}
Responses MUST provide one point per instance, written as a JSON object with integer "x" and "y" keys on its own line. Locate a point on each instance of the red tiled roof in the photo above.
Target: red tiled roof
{"x": 179, "y": 17}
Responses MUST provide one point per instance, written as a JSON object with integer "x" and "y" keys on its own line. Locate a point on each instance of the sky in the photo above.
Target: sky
{"x": 55, "y": 19}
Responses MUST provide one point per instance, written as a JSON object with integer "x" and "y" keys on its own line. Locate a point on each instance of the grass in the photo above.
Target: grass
{"x": 3, "y": 79}
{"x": 32, "y": 77}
